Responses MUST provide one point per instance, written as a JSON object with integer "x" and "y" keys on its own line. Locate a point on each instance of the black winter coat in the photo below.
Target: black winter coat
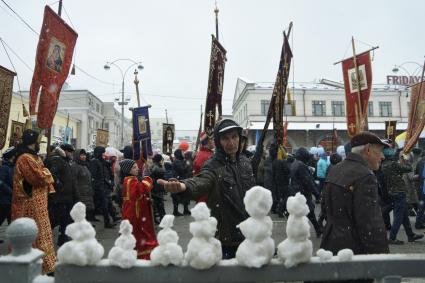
{"x": 281, "y": 173}
{"x": 226, "y": 183}
{"x": 353, "y": 215}
{"x": 82, "y": 177}
{"x": 302, "y": 180}
{"x": 6, "y": 182}
{"x": 59, "y": 165}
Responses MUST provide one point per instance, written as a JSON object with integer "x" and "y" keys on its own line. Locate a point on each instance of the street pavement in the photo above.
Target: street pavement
{"x": 107, "y": 237}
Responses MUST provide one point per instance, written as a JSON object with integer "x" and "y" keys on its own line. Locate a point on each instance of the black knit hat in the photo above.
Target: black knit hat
{"x": 126, "y": 165}
{"x": 157, "y": 158}
{"x": 67, "y": 147}
{"x": 29, "y": 137}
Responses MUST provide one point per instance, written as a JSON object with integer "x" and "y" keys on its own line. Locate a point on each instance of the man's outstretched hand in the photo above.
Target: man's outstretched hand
{"x": 172, "y": 185}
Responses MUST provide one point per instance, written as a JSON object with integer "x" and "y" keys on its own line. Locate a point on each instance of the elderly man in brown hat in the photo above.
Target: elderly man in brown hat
{"x": 354, "y": 218}
{"x": 32, "y": 183}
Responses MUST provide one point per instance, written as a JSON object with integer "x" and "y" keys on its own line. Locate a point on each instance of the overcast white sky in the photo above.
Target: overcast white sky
{"x": 172, "y": 39}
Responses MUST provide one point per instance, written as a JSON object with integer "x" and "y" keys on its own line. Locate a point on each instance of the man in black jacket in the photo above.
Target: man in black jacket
{"x": 353, "y": 215}
{"x": 225, "y": 177}
{"x": 65, "y": 196}
{"x": 102, "y": 184}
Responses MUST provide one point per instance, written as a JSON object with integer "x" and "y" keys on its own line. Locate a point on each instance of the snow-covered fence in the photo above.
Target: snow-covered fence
{"x": 80, "y": 260}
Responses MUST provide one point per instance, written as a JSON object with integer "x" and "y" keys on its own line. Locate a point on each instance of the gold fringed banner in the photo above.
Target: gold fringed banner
{"x": 6, "y": 88}
{"x": 102, "y": 137}
{"x": 416, "y": 120}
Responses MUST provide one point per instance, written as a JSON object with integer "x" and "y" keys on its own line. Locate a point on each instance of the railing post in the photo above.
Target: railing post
{"x": 23, "y": 264}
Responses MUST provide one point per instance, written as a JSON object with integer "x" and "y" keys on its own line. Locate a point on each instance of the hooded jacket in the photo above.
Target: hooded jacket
{"x": 59, "y": 165}
{"x": 82, "y": 178}
{"x": 301, "y": 178}
{"x": 226, "y": 182}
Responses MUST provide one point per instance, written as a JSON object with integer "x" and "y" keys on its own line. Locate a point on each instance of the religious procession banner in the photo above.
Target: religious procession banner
{"x": 53, "y": 60}
{"x": 168, "y": 131}
{"x": 416, "y": 120}
{"x": 16, "y": 131}
{"x": 215, "y": 86}
{"x": 102, "y": 137}
{"x": 279, "y": 90}
{"x": 142, "y": 147}
{"x": 6, "y": 88}
{"x": 390, "y": 130}
{"x": 357, "y": 91}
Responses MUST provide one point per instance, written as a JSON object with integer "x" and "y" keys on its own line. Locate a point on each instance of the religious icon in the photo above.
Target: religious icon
{"x": 102, "y": 137}
{"x": 354, "y": 83}
{"x": 16, "y": 131}
{"x": 142, "y": 124}
{"x": 55, "y": 55}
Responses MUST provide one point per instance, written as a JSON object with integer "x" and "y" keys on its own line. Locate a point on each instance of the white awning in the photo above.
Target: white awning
{"x": 323, "y": 126}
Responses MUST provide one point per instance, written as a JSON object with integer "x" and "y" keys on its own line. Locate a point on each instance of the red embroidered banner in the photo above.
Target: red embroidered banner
{"x": 53, "y": 60}
{"x": 357, "y": 94}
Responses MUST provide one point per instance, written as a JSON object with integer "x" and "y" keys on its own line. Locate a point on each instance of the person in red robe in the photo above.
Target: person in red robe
{"x": 137, "y": 207}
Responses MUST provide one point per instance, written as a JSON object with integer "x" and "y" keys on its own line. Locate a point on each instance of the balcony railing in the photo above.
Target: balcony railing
{"x": 23, "y": 265}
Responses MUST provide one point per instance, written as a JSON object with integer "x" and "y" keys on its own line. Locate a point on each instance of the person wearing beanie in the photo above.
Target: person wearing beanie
{"x": 137, "y": 207}
{"x": 102, "y": 184}
{"x": 32, "y": 183}
{"x": 224, "y": 178}
{"x": 157, "y": 171}
{"x": 6, "y": 184}
{"x": 65, "y": 195}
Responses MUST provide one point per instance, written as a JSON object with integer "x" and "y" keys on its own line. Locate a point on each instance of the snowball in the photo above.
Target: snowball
{"x": 200, "y": 211}
{"x": 203, "y": 228}
{"x": 255, "y": 254}
{"x": 256, "y": 229}
{"x": 297, "y": 205}
{"x": 298, "y": 228}
{"x": 345, "y": 255}
{"x": 292, "y": 253}
{"x": 123, "y": 253}
{"x": 324, "y": 255}
{"x": 167, "y": 221}
{"x": 258, "y": 201}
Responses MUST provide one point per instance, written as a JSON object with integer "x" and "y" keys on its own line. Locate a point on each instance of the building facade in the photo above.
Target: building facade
{"x": 314, "y": 111}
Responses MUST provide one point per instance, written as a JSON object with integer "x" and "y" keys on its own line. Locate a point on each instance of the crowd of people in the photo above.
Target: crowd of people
{"x": 356, "y": 192}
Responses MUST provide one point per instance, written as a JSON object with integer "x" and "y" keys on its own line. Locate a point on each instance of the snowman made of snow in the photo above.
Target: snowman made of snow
{"x": 83, "y": 249}
{"x": 203, "y": 250}
{"x": 258, "y": 247}
{"x": 168, "y": 251}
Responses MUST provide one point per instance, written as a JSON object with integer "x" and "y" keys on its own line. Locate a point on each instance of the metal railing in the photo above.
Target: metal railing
{"x": 23, "y": 265}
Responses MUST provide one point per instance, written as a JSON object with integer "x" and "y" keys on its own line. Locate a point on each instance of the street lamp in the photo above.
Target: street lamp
{"x": 107, "y": 66}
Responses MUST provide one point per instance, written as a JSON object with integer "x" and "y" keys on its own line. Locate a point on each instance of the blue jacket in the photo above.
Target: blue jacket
{"x": 322, "y": 167}
{"x": 6, "y": 182}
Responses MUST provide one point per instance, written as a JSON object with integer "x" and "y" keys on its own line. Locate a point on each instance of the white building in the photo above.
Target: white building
{"x": 315, "y": 110}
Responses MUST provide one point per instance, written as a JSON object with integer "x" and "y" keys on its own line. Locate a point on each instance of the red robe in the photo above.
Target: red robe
{"x": 137, "y": 208}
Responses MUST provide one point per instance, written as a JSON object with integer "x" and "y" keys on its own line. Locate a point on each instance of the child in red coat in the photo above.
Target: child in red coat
{"x": 137, "y": 207}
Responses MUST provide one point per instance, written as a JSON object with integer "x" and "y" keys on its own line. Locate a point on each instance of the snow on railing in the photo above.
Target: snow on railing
{"x": 80, "y": 259}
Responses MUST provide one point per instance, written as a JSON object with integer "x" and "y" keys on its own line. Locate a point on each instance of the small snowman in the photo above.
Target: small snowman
{"x": 83, "y": 249}
{"x": 203, "y": 250}
{"x": 123, "y": 253}
{"x": 258, "y": 247}
{"x": 168, "y": 251}
{"x": 297, "y": 248}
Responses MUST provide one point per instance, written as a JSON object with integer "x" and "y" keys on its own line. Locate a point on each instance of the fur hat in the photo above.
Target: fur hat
{"x": 126, "y": 165}
{"x": 29, "y": 137}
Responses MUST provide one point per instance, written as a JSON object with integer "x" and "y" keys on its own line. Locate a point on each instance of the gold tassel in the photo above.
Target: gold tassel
{"x": 73, "y": 69}
{"x": 25, "y": 111}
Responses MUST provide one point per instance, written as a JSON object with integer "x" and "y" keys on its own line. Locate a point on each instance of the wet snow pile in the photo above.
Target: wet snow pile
{"x": 168, "y": 251}
{"x": 324, "y": 255}
{"x": 258, "y": 247}
{"x": 297, "y": 248}
{"x": 83, "y": 249}
{"x": 123, "y": 253}
{"x": 203, "y": 250}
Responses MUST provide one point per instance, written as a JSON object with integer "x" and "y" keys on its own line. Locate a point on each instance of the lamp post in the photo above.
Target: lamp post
{"x": 107, "y": 66}
{"x": 396, "y": 68}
